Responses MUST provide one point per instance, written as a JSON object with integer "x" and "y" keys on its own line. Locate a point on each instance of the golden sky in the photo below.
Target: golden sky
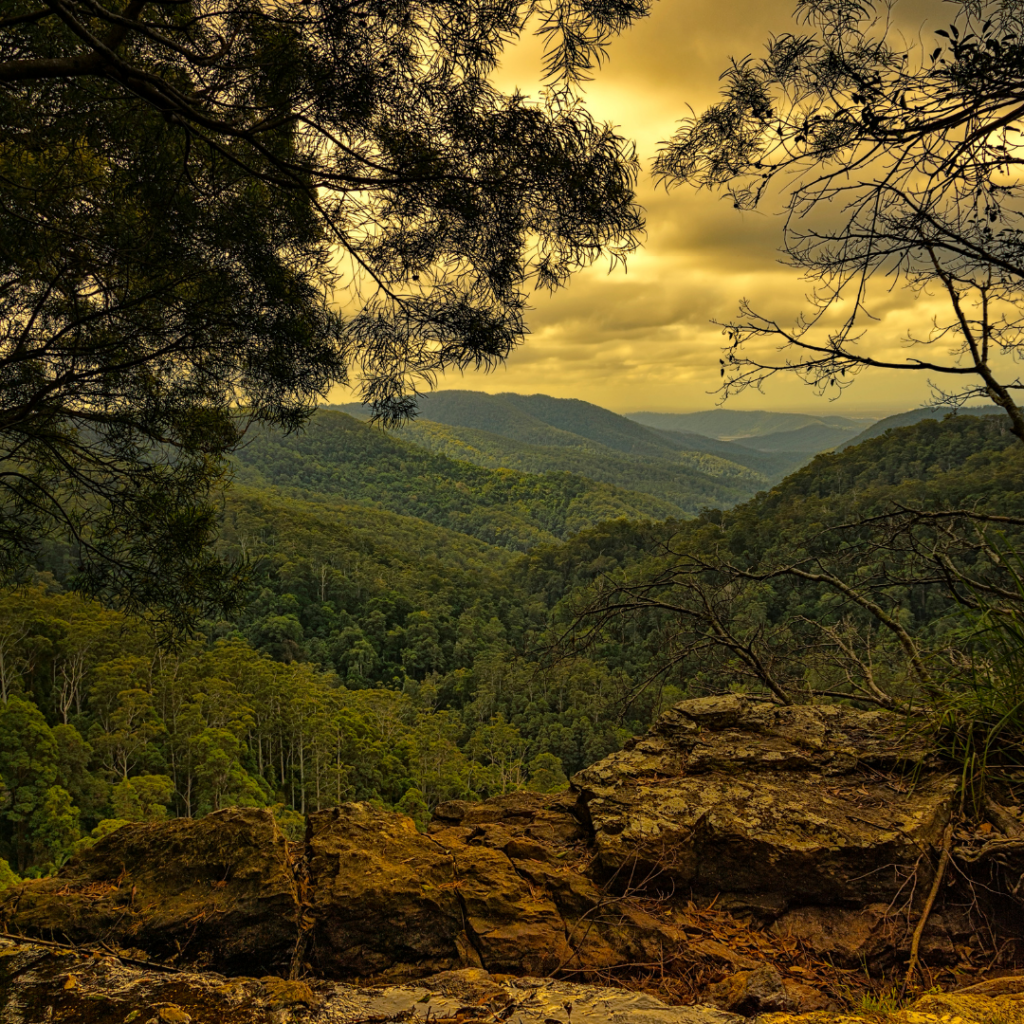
{"x": 643, "y": 340}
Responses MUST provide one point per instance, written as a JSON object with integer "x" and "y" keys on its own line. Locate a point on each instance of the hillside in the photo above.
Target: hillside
{"x": 809, "y": 439}
{"x": 540, "y": 420}
{"x": 906, "y": 419}
{"x": 737, "y": 424}
{"x": 538, "y": 434}
{"x": 339, "y": 459}
{"x": 689, "y": 480}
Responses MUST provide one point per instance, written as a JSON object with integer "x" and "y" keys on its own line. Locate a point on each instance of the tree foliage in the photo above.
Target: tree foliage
{"x": 214, "y": 205}
{"x": 899, "y": 163}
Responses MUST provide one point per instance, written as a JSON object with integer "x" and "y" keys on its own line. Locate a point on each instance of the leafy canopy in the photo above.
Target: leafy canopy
{"x": 215, "y": 205}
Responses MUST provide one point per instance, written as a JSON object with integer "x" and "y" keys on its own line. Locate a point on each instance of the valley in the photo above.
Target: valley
{"x": 419, "y": 629}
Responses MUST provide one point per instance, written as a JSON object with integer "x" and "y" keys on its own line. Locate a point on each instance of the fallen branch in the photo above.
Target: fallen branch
{"x": 915, "y": 943}
{"x": 152, "y": 965}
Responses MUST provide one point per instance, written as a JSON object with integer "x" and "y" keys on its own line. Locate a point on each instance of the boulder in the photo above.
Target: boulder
{"x": 751, "y": 993}
{"x": 383, "y": 897}
{"x": 773, "y": 806}
{"x": 218, "y": 890}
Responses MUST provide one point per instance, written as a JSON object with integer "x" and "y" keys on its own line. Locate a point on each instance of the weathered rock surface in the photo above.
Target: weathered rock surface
{"x": 772, "y": 806}
{"x": 382, "y": 896}
{"x": 39, "y": 984}
{"x": 752, "y": 993}
{"x": 218, "y": 890}
{"x": 801, "y": 825}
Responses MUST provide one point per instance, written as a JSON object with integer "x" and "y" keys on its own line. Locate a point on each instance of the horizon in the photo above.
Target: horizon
{"x": 643, "y": 339}
{"x": 821, "y": 409}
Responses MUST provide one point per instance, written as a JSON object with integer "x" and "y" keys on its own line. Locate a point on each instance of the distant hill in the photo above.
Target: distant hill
{"x": 906, "y": 419}
{"x": 742, "y": 425}
{"x": 810, "y": 439}
{"x": 690, "y": 480}
{"x": 537, "y": 433}
{"x": 337, "y": 459}
{"x": 539, "y": 420}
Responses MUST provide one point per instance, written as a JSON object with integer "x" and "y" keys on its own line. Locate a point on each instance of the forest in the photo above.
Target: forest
{"x": 389, "y": 651}
{"x": 215, "y": 216}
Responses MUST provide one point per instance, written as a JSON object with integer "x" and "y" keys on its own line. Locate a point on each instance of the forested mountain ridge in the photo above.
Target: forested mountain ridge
{"x": 790, "y": 577}
{"x": 536, "y": 433}
{"x": 339, "y": 459}
{"x": 687, "y": 480}
{"x": 540, "y": 419}
{"x": 737, "y": 424}
{"x": 906, "y": 419}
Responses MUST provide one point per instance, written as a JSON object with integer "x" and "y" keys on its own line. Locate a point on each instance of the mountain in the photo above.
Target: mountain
{"x": 338, "y": 459}
{"x": 540, "y": 434}
{"x": 743, "y": 425}
{"x": 540, "y": 420}
{"x": 810, "y": 439}
{"x": 906, "y": 419}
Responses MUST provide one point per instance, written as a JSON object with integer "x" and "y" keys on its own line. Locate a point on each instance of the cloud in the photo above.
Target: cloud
{"x": 644, "y": 339}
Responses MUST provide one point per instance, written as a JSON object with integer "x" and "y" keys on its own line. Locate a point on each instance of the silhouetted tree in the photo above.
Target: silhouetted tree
{"x": 899, "y": 165}
{"x": 209, "y": 206}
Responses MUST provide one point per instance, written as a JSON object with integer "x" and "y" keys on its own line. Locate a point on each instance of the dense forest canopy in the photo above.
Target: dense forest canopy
{"x": 213, "y": 211}
{"x": 387, "y": 657}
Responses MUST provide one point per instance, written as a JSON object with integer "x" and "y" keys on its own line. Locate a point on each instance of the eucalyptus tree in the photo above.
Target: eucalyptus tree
{"x": 897, "y": 160}
{"x": 210, "y": 206}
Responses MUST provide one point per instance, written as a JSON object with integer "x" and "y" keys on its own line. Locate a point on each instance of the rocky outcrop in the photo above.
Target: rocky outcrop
{"x": 40, "y": 984}
{"x": 719, "y": 849}
{"x": 770, "y": 806}
{"x": 218, "y": 890}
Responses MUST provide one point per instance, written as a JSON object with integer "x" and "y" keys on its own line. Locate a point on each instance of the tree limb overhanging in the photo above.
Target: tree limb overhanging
{"x": 898, "y": 166}
{"x": 211, "y": 211}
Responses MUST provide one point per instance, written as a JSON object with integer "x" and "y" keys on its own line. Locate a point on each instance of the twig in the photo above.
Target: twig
{"x": 915, "y": 944}
{"x": 150, "y": 965}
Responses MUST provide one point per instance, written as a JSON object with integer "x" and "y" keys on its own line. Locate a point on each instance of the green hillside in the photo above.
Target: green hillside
{"x": 810, "y": 439}
{"x": 339, "y": 459}
{"x": 384, "y": 656}
{"x": 774, "y": 465}
{"x": 539, "y": 420}
{"x": 538, "y": 434}
{"x": 824, "y": 520}
{"x": 906, "y": 419}
{"x": 688, "y": 480}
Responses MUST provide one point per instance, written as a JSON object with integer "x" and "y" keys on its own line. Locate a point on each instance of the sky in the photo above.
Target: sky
{"x": 643, "y": 339}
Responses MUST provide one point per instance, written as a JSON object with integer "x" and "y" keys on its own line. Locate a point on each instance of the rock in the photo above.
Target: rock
{"x": 848, "y": 937}
{"x": 1009, "y": 984}
{"x": 751, "y": 993}
{"x": 278, "y": 993}
{"x": 799, "y": 818}
{"x": 533, "y": 820}
{"x": 219, "y": 889}
{"x": 31, "y": 991}
{"x": 171, "y": 1013}
{"x": 515, "y": 927}
{"x": 805, "y": 998}
{"x": 384, "y": 897}
{"x": 768, "y": 804}
{"x": 957, "y": 1008}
